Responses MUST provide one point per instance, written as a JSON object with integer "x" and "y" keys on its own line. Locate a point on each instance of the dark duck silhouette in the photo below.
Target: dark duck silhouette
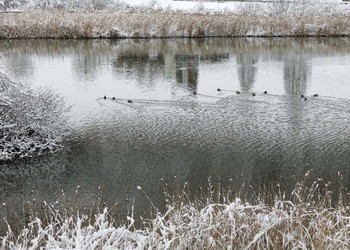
{"x": 237, "y": 92}
{"x": 253, "y": 94}
{"x": 105, "y": 97}
{"x": 265, "y": 92}
{"x": 218, "y": 89}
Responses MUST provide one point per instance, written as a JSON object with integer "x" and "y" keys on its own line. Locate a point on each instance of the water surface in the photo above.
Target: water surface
{"x": 168, "y": 130}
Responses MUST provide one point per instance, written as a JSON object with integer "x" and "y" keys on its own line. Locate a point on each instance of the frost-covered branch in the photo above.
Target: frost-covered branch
{"x": 32, "y": 121}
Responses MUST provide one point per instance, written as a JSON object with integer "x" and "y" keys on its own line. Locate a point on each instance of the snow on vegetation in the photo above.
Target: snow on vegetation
{"x": 166, "y": 18}
{"x": 212, "y": 221}
{"x": 32, "y": 121}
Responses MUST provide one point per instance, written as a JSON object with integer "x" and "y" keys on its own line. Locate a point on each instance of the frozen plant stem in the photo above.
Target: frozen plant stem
{"x": 140, "y": 189}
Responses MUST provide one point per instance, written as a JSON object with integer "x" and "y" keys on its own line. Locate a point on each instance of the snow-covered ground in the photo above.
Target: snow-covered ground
{"x": 235, "y": 6}
{"x": 213, "y": 6}
{"x": 187, "y": 6}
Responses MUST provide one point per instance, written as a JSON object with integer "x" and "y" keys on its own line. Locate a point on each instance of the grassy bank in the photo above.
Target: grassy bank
{"x": 222, "y": 220}
{"x": 113, "y": 24}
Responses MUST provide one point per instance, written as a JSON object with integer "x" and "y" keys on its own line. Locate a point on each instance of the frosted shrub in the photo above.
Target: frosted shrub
{"x": 32, "y": 121}
{"x": 93, "y": 5}
{"x": 199, "y": 7}
{"x": 10, "y": 4}
{"x": 44, "y": 4}
{"x": 82, "y": 5}
{"x": 278, "y": 7}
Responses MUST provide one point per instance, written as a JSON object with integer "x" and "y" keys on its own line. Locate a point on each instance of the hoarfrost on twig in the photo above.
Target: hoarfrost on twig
{"x": 32, "y": 121}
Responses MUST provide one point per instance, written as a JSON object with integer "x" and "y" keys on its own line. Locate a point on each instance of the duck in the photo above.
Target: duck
{"x": 237, "y": 92}
{"x": 113, "y": 98}
{"x": 218, "y": 89}
{"x": 315, "y": 95}
{"x": 105, "y": 97}
{"x": 265, "y": 92}
{"x": 129, "y": 101}
{"x": 302, "y": 96}
{"x": 195, "y": 93}
{"x": 305, "y": 99}
{"x": 253, "y": 94}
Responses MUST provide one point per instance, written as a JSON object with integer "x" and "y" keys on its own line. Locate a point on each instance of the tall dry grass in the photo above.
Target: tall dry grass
{"x": 216, "y": 218}
{"x": 113, "y": 24}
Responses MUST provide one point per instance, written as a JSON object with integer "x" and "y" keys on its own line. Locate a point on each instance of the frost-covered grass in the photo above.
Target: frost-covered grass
{"x": 32, "y": 121}
{"x": 145, "y": 19}
{"x": 138, "y": 24}
{"x": 218, "y": 220}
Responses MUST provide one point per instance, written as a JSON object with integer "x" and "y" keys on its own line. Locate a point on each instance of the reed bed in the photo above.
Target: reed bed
{"x": 214, "y": 219}
{"x": 157, "y": 24}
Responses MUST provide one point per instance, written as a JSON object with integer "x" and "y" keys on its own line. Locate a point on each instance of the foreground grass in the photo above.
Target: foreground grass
{"x": 114, "y": 24}
{"x": 212, "y": 220}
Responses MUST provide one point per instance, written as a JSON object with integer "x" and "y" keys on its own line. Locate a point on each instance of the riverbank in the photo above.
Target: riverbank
{"x": 61, "y": 24}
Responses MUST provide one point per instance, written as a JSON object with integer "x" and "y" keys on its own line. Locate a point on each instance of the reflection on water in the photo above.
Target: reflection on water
{"x": 168, "y": 131}
{"x": 296, "y": 72}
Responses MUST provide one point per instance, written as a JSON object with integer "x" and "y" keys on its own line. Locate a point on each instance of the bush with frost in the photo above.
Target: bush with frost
{"x": 32, "y": 121}
{"x": 83, "y": 5}
{"x": 10, "y": 4}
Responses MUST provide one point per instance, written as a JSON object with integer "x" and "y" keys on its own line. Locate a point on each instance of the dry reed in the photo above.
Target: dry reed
{"x": 215, "y": 219}
{"x": 113, "y": 24}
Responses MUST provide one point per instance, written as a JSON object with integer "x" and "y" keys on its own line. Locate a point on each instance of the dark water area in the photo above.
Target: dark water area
{"x": 176, "y": 122}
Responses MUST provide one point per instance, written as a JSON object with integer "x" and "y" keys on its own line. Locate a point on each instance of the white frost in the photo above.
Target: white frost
{"x": 32, "y": 121}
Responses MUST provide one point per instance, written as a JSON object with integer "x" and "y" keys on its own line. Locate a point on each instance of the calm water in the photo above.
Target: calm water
{"x": 168, "y": 131}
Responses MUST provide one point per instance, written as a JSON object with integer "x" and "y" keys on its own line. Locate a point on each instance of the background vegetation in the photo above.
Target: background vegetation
{"x": 118, "y": 19}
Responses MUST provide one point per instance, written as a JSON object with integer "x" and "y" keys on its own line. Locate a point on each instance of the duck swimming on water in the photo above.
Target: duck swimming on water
{"x": 237, "y": 92}
{"x": 113, "y": 98}
{"x": 105, "y": 97}
{"x": 253, "y": 94}
{"x": 218, "y": 89}
{"x": 315, "y": 95}
{"x": 129, "y": 101}
{"x": 265, "y": 92}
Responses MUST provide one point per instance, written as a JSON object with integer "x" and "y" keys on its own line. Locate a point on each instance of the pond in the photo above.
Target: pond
{"x": 169, "y": 122}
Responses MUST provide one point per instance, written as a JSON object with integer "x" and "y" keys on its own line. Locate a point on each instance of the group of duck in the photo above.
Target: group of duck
{"x": 238, "y": 92}
{"x": 113, "y": 98}
{"x": 218, "y": 89}
{"x": 305, "y": 98}
{"x": 265, "y": 92}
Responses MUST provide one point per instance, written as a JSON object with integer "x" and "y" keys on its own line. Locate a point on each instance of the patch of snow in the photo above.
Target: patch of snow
{"x": 210, "y": 7}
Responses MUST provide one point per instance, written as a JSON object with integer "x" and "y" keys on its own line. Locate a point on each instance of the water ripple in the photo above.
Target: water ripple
{"x": 255, "y": 127}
